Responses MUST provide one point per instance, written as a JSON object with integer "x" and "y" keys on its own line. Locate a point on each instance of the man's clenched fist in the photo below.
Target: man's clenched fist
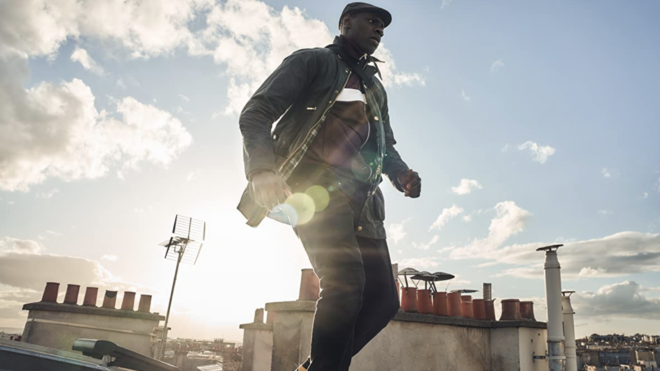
{"x": 269, "y": 189}
{"x": 411, "y": 183}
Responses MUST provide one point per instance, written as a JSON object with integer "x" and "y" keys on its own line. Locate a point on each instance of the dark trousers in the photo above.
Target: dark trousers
{"x": 358, "y": 292}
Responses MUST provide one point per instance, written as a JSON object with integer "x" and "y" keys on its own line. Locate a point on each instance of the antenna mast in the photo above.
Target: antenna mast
{"x": 184, "y": 245}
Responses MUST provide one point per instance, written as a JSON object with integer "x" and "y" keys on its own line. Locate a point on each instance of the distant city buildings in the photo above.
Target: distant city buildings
{"x": 619, "y": 352}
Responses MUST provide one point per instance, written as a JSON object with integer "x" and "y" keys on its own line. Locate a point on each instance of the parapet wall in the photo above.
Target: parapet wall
{"x": 418, "y": 342}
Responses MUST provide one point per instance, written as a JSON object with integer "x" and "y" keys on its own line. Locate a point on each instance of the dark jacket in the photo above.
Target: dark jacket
{"x": 303, "y": 89}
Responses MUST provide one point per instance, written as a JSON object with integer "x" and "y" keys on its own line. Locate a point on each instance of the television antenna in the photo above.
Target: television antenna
{"x": 184, "y": 245}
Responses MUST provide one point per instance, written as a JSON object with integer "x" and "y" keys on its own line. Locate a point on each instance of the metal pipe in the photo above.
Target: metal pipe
{"x": 569, "y": 332}
{"x": 556, "y": 358}
{"x": 169, "y": 306}
{"x": 488, "y": 292}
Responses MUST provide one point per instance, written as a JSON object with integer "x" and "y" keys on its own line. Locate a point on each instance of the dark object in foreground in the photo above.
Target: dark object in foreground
{"x": 123, "y": 357}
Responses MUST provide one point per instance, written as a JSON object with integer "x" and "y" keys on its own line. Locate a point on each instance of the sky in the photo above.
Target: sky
{"x": 530, "y": 123}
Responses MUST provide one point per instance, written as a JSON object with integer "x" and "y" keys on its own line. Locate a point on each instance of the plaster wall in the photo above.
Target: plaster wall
{"x": 257, "y": 347}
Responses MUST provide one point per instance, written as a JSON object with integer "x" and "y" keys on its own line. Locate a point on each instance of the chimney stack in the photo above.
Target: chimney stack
{"x": 569, "y": 332}
{"x": 556, "y": 358}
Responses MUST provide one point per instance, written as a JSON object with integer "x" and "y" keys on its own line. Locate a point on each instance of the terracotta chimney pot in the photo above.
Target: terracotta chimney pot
{"x": 466, "y": 306}
{"x": 71, "y": 296}
{"x": 490, "y": 310}
{"x": 409, "y": 299}
{"x": 128, "y": 303}
{"x": 454, "y": 304}
{"x": 511, "y": 310}
{"x": 145, "y": 303}
{"x": 110, "y": 299}
{"x": 479, "y": 308}
{"x": 440, "y": 303}
{"x": 50, "y": 292}
{"x": 309, "y": 286}
{"x": 90, "y": 296}
{"x": 424, "y": 304}
{"x": 527, "y": 310}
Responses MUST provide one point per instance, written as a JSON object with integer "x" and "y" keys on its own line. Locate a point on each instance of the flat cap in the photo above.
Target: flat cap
{"x": 364, "y": 7}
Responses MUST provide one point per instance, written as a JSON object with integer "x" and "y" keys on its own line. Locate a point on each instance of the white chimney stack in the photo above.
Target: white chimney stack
{"x": 556, "y": 358}
{"x": 569, "y": 332}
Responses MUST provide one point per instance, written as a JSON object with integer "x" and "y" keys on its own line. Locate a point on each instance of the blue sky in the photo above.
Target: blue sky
{"x": 529, "y": 124}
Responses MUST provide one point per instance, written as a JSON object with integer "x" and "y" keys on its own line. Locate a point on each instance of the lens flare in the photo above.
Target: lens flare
{"x": 285, "y": 213}
{"x": 303, "y": 206}
{"x": 320, "y": 196}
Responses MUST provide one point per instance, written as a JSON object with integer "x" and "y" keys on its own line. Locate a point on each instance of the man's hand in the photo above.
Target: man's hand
{"x": 269, "y": 189}
{"x": 411, "y": 183}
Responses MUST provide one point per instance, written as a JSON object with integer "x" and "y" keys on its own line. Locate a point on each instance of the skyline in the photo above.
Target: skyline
{"x": 530, "y": 124}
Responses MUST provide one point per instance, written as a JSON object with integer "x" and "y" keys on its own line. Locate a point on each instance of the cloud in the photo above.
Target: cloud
{"x": 464, "y": 95}
{"x": 539, "y": 154}
{"x": 445, "y": 216}
{"x": 183, "y": 97}
{"x": 445, "y": 3}
{"x": 505, "y": 148}
{"x": 48, "y": 194}
{"x": 466, "y": 186}
{"x": 605, "y": 212}
{"x": 510, "y": 220}
{"x": 396, "y": 231}
{"x": 496, "y": 66}
{"x": 10, "y": 245}
{"x": 26, "y": 269}
{"x": 81, "y": 55}
{"x": 467, "y": 218}
{"x": 111, "y": 258}
{"x": 144, "y": 28}
{"x": 419, "y": 263}
{"x": 606, "y": 173}
{"x": 616, "y": 255}
{"x": 426, "y": 245}
{"x": 80, "y": 141}
{"x": 619, "y": 300}
{"x": 645, "y": 195}
{"x": 250, "y": 38}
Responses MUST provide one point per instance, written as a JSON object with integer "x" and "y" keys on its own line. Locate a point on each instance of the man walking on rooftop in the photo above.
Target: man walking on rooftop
{"x": 320, "y": 171}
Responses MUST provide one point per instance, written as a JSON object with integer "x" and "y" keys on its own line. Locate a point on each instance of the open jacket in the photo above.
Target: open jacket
{"x": 303, "y": 89}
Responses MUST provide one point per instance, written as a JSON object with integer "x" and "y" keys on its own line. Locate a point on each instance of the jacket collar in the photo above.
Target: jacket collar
{"x": 361, "y": 63}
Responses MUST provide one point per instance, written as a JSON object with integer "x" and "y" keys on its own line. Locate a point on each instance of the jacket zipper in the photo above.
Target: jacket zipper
{"x": 316, "y": 124}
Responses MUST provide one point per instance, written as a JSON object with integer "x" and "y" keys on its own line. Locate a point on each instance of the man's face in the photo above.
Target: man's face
{"x": 365, "y": 29}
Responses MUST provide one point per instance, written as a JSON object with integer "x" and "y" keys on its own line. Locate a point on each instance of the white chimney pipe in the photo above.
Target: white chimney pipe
{"x": 569, "y": 332}
{"x": 556, "y": 358}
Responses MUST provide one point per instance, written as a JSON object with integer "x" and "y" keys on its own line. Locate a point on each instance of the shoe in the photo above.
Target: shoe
{"x": 304, "y": 366}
